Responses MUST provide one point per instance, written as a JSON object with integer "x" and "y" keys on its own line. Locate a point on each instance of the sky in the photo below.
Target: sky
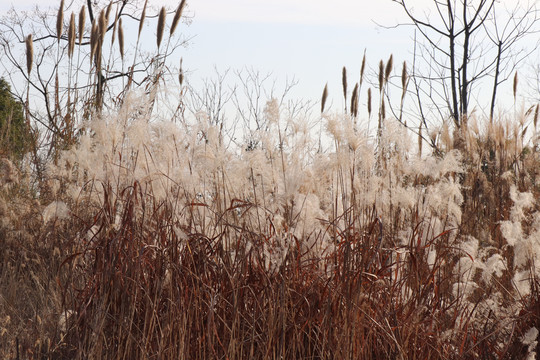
{"x": 308, "y": 40}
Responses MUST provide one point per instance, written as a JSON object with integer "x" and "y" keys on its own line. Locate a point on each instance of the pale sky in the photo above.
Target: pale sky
{"x": 310, "y": 40}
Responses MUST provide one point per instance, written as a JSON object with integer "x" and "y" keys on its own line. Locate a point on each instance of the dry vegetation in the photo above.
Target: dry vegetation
{"x": 149, "y": 238}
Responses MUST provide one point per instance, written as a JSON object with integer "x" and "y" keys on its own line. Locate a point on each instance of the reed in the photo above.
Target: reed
{"x": 324, "y": 97}
{"x": 141, "y": 21}
{"x": 29, "y": 53}
{"x": 72, "y": 35}
{"x": 82, "y": 22}
{"x": 60, "y": 21}
{"x": 177, "y": 16}
{"x": 161, "y": 26}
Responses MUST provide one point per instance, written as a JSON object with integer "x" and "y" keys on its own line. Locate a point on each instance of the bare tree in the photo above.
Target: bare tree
{"x": 465, "y": 41}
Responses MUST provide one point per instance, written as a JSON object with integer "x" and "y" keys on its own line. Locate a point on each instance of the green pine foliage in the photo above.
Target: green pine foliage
{"x": 15, "y": 137}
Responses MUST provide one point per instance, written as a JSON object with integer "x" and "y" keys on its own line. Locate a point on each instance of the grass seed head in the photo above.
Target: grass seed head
{"x": 388, "y": 70}
{"x": 82, "y": 20}
{"x": 161, "y": 25}
{"x": 404, "y": 77}
{"x": 535, "y": 119}
{"x": 344, "y": 82}
{"x": 381, "y": 75}
{"x": 369, "y": 101}
{"x": 515, "y": 85}
{"x": 363, "y": 68}
{"x": 141, "y": 22}
{"x": 121, "y": 38}
{"x": 60, "y": 21}
{"x": 71, "y": 35}
{"x": 354, "y": 101}
{"x": 29, "y": 53}
{"x": 324, "y": 97}
{"x": 177, "y": 16}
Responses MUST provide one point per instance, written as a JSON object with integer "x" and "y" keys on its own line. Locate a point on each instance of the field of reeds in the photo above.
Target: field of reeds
{"x": 151, "y": 237}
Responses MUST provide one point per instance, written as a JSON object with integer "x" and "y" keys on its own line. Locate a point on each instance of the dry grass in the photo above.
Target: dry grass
{"x": 152, "y": 240}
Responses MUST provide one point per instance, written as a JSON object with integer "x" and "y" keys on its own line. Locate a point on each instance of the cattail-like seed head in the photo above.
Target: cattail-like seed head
{"x": 362, "y": 68}
{"x": 354, "y": 101}
{"x": 177, "y": 16}
{"x": 369, "y": 102}
{"x": 102, "y": 28}
{"x": 82, "y": 20}
{"x": 381, "y": 75}
{"x": 404, "y": 77}
{"x": 143, "y": 16}
{"x": 324, "y": 97}
{"x": 108, "y": 12}
{"x": 535, "y": 119}
{"x": 515, "y": 85}
{"x": 388, "y": 70}
{"x": 29, "y": 53}
{"x": 121, "y": 38}
{"x": 181, "y": 74}
{"x": 93, "y": 39}
{"x": 344, "y": 82}
{"x": 161, "y": 25}
{"x": 60, "y": 21}
{"x": 383, "y": 110}
{"x": 71, "y": 35}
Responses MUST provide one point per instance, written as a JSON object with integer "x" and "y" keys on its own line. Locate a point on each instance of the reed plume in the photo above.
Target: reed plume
{"x": 388, "y": 70}
{"x": 121, "y": 38}
{"x": 515, "y": 85}
{"x": 82, "y": 20}
{"x": 324, "y": 97}
{"x": 177, "y": 16}
{"x": 181, "y": 74}
{"x": 344, "y": 83}
{"x": 161, "y": 25}
{"x": 381, "y": 75}
{"x": 535, "y": 119}
{"x": 71, "y": 35}
{"x": 29, "y": 53}
{"x": 60, "y": 21}
{"x": 369, "y": 102}
{"x": 362, "y": 68}
{"x": 141, "y": 22}
{"x": 108, "y": 12}
{"x": 404, "y": 77}
{"x": 354, "y": 101}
